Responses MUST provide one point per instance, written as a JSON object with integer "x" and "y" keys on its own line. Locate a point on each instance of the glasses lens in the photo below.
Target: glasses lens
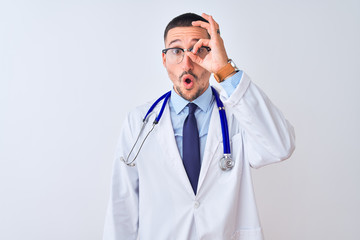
{"x": 175, "y": 55}
{"x": 202, "y": 52}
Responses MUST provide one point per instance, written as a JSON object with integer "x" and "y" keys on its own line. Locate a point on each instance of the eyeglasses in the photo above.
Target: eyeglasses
{"x": 176, "y": 55}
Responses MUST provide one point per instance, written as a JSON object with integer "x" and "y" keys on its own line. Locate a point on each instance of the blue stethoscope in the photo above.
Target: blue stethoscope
{"x": 226, "y": 163}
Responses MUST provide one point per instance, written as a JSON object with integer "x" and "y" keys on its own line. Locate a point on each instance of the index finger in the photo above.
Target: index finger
{"x": 212, "y": 27}
{"x": 201, "y": 24}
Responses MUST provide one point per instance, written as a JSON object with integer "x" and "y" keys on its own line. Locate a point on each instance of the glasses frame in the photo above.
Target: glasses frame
{"x": 184, "y": 50}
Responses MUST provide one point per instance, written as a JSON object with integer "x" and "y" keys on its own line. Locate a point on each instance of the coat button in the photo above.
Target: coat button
{"x": 196, "y": 204}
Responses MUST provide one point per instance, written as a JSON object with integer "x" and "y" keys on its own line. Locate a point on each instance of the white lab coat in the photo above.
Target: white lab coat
{"x": 154, "y": 200}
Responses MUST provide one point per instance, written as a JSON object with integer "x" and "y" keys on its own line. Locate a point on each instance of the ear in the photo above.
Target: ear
{"x": 164, "y": 59}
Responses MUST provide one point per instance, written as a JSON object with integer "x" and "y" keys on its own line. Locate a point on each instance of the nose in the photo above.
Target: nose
{"x": 186, "y": 63}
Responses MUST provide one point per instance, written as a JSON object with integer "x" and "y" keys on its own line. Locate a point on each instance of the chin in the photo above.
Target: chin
{"x": 190, "y": 95}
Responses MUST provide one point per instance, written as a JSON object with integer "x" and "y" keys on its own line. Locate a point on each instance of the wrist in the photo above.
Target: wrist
{"x": 226, "y": 71}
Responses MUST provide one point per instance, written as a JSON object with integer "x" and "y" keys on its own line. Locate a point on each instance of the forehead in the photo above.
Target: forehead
{"x": 184, "y": 35}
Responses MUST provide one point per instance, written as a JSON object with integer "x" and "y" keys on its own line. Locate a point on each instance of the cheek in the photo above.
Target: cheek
{"x": 172, "y": 72}
{"x": 205, "y": 77}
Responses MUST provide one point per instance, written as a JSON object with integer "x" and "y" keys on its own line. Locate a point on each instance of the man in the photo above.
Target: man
{"x": 177, "y": 190}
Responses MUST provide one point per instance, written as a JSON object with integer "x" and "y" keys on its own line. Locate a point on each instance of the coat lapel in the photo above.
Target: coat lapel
{"x": 165, "y": 137}
{"x": 167, "y": 142}
{"x": 213, "y": 141}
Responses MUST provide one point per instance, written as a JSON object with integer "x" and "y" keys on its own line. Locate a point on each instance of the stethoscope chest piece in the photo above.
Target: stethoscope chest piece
{"x": 226, "y": 163}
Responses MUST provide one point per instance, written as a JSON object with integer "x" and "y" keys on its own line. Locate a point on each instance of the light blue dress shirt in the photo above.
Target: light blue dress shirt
{"x": 179, "y": 111}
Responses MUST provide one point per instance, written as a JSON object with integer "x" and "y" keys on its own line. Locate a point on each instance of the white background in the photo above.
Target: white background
{"x": 70, "y": 70}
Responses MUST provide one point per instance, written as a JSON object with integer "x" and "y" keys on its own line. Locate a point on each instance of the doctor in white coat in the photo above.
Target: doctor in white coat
{"x": 154, "y": 200}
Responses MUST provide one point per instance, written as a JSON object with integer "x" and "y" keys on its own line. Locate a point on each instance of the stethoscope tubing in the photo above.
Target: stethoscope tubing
{"x": 157, "y": 119}
{"x": 223, "y": 120}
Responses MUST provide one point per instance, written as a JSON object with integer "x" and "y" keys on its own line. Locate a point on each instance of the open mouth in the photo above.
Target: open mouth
{"x": 188, "y": 81}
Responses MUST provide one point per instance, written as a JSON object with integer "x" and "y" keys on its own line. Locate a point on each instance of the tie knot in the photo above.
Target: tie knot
{"x": 192, "y": 108}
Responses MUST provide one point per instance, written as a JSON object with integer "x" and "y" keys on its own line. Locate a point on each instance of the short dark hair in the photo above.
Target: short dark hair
{"x": 184, "y": 20}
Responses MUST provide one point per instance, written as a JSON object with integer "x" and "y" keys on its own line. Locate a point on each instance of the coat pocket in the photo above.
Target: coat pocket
{"x": 248, "y": 234}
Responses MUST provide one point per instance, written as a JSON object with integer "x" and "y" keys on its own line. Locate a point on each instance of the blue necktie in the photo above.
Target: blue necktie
{"x": 191, "y": 147}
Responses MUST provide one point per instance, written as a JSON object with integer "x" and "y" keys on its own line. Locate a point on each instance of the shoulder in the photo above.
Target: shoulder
{"x": 138, "y": 113}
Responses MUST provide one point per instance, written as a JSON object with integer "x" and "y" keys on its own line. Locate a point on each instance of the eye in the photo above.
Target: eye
{"x": 201, "y": 50}
{"x": 176, "y": 51}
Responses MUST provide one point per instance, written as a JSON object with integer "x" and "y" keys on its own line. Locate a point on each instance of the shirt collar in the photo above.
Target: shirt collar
{"x": 203, "y": 101}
